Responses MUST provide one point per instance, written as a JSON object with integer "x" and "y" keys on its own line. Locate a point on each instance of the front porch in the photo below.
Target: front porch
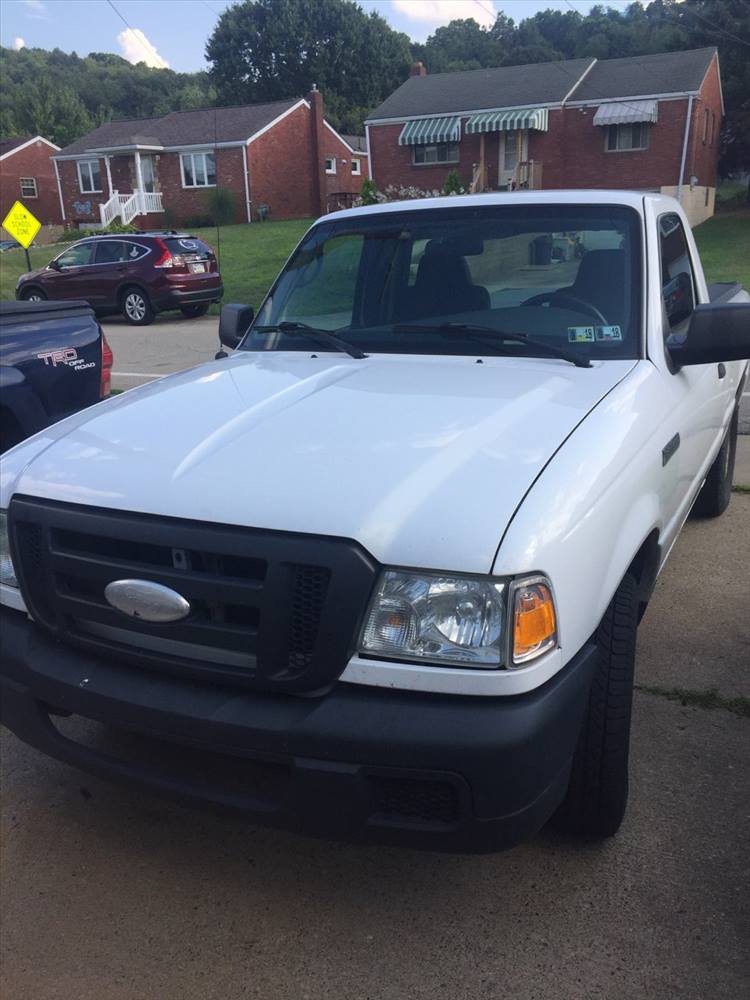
{"x": 136, "y": 170}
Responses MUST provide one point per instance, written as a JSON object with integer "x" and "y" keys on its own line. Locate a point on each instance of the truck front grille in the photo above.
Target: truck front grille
{"x": 267, "y": 609}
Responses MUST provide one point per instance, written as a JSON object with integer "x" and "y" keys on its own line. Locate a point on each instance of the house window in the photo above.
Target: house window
{"x": 89, "y": 177}
{"x": 440, "y": 152}
{"x": 198, "y": 170}
{"x": 330, "y": 164}
{"x": 356, "y": 167}
{"x": 28, "y": 187}
{"x": 626, "y": 137}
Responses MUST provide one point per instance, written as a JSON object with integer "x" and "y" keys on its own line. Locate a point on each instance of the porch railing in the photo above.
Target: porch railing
{"x": 127, "y": 206}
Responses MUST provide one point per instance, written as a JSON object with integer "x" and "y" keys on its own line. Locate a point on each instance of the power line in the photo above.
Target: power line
{"x": 135, "y": 34}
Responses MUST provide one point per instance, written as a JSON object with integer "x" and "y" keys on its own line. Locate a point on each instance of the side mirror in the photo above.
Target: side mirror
{"x": 234, "y": 321}
{"x": 54, "y": 265}
{"x": 717, "y": 332}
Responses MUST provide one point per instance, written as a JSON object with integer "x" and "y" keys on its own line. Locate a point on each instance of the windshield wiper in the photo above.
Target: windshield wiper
{"x": 312, "y": 333}
{"x": 483, "y": 334}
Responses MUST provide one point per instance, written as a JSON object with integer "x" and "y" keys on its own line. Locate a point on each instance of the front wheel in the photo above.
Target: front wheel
{"x": 594, "y": 805}
{"x": 194, "y": 311}
{"x": 716, "y": 492}
{"x": 33, "y": 295}
{"x": 136, "y": 307}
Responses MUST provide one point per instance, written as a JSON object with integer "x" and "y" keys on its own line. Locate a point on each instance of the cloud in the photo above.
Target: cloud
{"x": 439, "y": 12}
{"x": 35, "y": 8}
{"x": 18, "y": 44}
{"x": 136, "y": 48}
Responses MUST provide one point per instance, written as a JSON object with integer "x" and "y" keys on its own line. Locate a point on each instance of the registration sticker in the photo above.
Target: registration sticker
{"x": 608, "y": 333}
{"x": 581, "y": 335}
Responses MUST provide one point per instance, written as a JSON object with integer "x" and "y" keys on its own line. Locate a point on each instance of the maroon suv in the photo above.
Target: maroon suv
{"x": 136, "y": 274}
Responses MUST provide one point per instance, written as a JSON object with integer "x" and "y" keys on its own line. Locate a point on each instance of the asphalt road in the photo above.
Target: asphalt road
{"x": 111, "y": 894}
{"x": 169, "y": 345}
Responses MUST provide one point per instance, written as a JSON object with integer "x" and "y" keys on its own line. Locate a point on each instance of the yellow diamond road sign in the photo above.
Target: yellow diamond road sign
{"x": 21, "y": 224}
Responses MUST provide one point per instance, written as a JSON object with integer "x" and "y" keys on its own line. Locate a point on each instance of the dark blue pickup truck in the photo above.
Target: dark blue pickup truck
{"x": 54, "y": 360}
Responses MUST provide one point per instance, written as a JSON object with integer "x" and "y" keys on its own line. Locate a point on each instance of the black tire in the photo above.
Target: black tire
{"x": 597, "y": 795}
{"x": 716, "y": 492}
{"x": 33, "y": 295}
{"x": 136, "y": 307}
{"x": 194, "y": 311}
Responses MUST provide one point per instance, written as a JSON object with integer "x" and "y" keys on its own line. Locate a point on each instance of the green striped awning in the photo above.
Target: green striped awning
{"x": 505, "y": 121}
{"x": 430, "y": 130}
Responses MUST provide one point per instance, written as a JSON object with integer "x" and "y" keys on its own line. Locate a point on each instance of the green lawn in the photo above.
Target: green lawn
{"x": 724, "y": 245}
{"x": 251, "y": 256}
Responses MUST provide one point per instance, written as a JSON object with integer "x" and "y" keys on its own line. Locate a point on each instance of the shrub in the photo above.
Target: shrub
{"x": 119, "y": 227}
{"x": 197, "y": 222}
{"x": 69, "y": 236}
{"x": 221, "y": 205}
{"x": 369, "y": 194}
{"x": 453, "y": 184}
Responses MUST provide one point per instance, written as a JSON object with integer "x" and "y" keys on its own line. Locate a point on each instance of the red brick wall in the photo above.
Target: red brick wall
{"x": 34, "y": 161}
{"x": 703, "y": 157}
{"x": 184, "y": 202}
{"x": 393, "y": 164}
{"x": 279, "y": 163}
{"x": 80, "y": 207}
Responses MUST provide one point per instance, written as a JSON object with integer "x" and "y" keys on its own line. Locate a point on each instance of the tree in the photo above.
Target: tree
{"x": 264, "y": 50}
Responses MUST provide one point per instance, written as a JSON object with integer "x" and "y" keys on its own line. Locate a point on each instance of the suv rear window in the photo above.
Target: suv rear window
{"x": 187, "y": 246}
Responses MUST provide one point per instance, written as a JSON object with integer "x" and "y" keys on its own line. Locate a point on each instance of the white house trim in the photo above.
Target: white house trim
{"x": 59, "y": 189}
{"x": 580, "y": 80}
{"x": 594, "y": 102}
{"x": 277, "y": 119}
{"x": 461, "y": 114}
{"x": 25, "y": 145}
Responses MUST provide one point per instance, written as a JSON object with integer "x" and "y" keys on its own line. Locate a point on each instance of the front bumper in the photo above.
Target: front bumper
{"x": 434, "y": 771}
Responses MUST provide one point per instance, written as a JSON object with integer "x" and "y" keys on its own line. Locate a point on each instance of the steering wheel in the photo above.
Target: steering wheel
{"x": 557, "y": 299}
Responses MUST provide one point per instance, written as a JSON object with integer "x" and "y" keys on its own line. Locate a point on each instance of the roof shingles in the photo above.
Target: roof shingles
{"x": 546, "y": 83}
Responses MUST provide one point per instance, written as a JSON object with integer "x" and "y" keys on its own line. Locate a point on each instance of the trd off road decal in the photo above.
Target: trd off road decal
{"x": 66, "y": 356}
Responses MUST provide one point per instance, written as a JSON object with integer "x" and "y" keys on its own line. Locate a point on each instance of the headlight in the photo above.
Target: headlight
{"x": 7, "y": 573}
{"x": 461, "y": 620}
{"x": 437, "y": 618}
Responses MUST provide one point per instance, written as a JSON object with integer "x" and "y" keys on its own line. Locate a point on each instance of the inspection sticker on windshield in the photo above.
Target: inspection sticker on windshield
{"x": 608, "y": 333}
{"x": 581, "y": 335}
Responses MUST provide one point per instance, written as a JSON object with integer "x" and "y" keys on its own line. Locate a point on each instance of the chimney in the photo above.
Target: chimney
{"x": 418, "y": 69}
{"x": 319, "y": 193}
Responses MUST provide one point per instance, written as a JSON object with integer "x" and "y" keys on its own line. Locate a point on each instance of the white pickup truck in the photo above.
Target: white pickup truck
{"x": 379, "y": 573}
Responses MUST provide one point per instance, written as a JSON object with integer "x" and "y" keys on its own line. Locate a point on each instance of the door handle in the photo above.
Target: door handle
{"x": 722, "y": 369}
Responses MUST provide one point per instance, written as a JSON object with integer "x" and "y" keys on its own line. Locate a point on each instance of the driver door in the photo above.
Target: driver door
{"x": 74, "y": 277}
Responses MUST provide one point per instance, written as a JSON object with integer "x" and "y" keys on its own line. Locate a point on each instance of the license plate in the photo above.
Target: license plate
{"x": 198, "y": 268}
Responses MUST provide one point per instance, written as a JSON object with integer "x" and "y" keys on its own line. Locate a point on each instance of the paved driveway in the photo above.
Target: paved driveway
{"x": 110, "y": 894}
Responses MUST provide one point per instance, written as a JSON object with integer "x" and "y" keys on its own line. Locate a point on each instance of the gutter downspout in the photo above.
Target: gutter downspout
{"x": 369, "y": 155}
{"x": 245, "y": 154}
{"x": 59, "y": 190}
{"x": 688, "y": 119}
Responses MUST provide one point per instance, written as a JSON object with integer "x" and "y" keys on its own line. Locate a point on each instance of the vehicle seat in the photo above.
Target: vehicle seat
{"x": 443, "y": 286}
{"x": 601, "y": 281}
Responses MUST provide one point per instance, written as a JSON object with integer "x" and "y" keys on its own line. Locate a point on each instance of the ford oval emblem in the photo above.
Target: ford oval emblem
{"x": 151, "y": 602}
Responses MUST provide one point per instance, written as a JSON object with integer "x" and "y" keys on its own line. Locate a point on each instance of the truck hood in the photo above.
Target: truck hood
{"x": 422, "y": 460}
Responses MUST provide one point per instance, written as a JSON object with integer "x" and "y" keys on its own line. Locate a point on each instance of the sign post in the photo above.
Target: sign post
{"x": 22, "y": 226}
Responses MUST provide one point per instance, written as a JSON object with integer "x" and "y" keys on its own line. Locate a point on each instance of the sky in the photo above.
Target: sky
{"x": 174, "y": 32}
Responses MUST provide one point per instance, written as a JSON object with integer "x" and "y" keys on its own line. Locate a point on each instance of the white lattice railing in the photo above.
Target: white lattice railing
{"x": 109, "y": 211}
{"x": 152, "y": 201}
{"x": 130, "y": 208}
{"x": 127, "y": 206}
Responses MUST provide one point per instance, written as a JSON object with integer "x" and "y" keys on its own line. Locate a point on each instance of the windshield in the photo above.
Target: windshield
{"x": 566, "y": 276}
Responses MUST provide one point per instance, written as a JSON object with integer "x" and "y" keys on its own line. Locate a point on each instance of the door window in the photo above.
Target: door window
{"x": 147, "y": 173}
{"x": 77, "y": 256}
{"x": 510, "y": 155}
{"x": 110, "y": 252}
{"x": 677, "y": 281}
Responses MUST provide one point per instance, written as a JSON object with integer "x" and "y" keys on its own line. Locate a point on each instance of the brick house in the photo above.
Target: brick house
{"x": 281, "y": 159}
{"x": 647, "y": 122}
{"x": 27, "y": 175}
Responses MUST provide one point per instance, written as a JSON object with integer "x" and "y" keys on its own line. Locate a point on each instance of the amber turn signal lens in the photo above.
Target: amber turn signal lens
{"x": 534, "y": 622}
